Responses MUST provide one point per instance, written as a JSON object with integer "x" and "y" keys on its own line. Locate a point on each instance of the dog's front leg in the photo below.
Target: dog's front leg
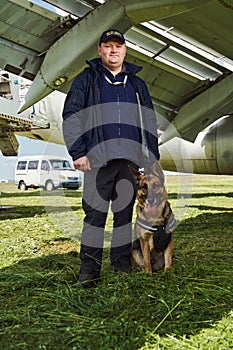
{"x": 146, "y": 255}
{"x": 168, "y": 255}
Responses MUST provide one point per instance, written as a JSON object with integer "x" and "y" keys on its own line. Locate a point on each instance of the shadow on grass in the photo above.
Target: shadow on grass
{"x": 199, "y": 195}
{"x": 32, "y": 211}
{"x": 28, "y": 203}
{"x": 42, "y": 309}
{"x": 40, "y": 192}
{"x": 211, "y": 208}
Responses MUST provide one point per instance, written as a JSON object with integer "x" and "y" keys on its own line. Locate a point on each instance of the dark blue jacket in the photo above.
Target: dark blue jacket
{"x": 83, "y": 119}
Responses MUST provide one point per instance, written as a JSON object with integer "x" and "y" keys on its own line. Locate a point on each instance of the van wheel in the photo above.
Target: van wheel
{"x": 49, "y": 186}
{"x": 22, "y": 186}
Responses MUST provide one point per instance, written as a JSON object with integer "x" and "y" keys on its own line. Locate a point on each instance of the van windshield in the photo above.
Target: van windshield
{"x": 60, "y": 164}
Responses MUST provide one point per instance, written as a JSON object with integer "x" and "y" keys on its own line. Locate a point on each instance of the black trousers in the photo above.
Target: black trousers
{"x": 111, "y": 183}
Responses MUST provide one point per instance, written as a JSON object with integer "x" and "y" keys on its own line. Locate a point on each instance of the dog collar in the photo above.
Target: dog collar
{"x": 168, "y": 225}
{"x": 154, "y": 228}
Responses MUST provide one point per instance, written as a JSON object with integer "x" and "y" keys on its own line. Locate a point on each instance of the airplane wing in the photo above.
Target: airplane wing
{"x": 184, "y": 46}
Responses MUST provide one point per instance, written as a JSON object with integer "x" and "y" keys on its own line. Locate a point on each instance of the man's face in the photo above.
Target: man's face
{"x": 112, "y": 53}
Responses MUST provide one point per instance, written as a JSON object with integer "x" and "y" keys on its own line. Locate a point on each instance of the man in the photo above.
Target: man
{"x": 105, "y": 114}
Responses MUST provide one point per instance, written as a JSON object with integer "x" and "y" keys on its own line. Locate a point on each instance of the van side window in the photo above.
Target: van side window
{"x": 33, "y": 164}
{"x": 21, "y": 165}
{"x": 44, "y": 165}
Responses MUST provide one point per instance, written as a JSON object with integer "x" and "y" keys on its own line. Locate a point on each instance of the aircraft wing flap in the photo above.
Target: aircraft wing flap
{"x": 202, "y": 110}
{"x": 27, "y": 31}
{"x": 209, "y": 25}
{"x": 77, "y": 8}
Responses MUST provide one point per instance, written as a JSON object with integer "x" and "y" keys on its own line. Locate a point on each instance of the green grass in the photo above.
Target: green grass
{"x": 188, "y": 307}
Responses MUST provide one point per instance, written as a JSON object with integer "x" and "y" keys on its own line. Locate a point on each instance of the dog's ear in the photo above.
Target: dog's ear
{"x": 158, "y": 171}
{"x": 136, "y": 174}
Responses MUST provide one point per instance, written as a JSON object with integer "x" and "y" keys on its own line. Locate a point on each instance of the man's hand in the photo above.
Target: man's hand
{"x": 82, "y": 164}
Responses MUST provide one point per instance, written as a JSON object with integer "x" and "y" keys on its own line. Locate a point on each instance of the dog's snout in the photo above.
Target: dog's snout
{"x": 151, "y": 201}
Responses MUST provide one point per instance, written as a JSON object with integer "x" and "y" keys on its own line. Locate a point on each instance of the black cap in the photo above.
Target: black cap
{"x": 111, "y": 33}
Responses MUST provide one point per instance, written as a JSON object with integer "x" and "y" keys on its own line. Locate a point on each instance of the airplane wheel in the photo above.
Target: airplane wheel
{"x": 22, "y": 186}
{"x": 49, "y": 186}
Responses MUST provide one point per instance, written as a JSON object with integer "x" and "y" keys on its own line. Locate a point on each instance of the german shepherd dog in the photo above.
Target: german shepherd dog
{"x": 155, "y": 223}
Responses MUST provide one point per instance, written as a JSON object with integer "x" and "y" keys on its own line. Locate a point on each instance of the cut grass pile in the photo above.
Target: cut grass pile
{"x": 188, "y": 307}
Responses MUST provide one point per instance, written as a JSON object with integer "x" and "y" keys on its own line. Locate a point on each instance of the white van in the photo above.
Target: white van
{"x": 48, "y": 172}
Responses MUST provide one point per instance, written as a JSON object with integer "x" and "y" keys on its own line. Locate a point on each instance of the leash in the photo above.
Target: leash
{"x": 145, "y": 150}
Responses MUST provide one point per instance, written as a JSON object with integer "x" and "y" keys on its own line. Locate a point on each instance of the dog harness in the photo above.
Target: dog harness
{"x": 162, "y": 232}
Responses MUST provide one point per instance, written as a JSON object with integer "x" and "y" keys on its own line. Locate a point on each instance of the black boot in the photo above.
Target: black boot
{"x": 87, "y": 280}
{"x": 89, "y": 273}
